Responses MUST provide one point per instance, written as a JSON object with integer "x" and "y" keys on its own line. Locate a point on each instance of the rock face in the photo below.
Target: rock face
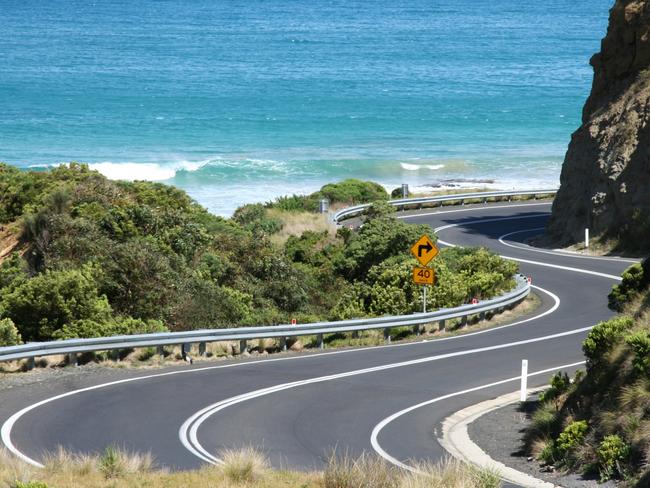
{"x": 605, "y": 181}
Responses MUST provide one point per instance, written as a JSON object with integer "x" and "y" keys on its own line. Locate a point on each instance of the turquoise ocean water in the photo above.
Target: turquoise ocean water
{"x": 239, "y": 101}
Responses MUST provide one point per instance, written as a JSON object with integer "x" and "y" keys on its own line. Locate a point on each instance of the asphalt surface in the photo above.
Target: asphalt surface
{"x": 341, "y": 397}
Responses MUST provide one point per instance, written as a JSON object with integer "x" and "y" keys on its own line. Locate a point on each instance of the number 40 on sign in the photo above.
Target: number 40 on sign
{"x": 424, "y": 276}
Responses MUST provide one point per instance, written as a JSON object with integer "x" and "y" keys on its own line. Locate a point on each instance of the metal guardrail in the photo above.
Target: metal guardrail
{"x": 349, "y": 212}
{"x": 243, "y": 334}
{"x": 73, "y": 346}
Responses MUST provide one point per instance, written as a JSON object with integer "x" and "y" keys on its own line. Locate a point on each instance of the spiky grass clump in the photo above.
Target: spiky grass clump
{"x": 363, "y": 472}
{"x": 244, "y": 465}
{"x": 451, "y": 473}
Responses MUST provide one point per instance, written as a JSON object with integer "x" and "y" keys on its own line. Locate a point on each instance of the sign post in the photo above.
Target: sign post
{"x": 424, "y": 251}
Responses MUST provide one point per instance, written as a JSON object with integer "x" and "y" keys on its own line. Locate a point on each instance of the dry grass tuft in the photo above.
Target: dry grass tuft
{"x": 12, "y": 469}
{"x": 244, "y": 465}
{"x": 296, "y": 223}
{"x": 451, "y": 473}
{"x": 363, "y": 472}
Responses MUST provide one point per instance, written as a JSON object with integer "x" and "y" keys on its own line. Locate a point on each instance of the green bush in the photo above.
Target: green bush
{"x": 634, "y": 279}
{"x": 560, "y": 383}
{"x": 254, "y": 217}
{"x": 570, "y": 438}
{"x": 378, "y": 240}
{"x": 603, "y": 336}
{"x": 9, "y": 335}
{"x": 115, "y": 326}
{"x": 44, "y": 304}
{"x": 612, "y": 452}
{"x": 29, "y": 484}
{"x": 640, "y": 344}
{"x": 353, "y": 191}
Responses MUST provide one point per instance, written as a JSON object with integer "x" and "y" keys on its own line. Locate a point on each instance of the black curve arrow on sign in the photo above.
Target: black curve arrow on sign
{"x": 427, "y": 248}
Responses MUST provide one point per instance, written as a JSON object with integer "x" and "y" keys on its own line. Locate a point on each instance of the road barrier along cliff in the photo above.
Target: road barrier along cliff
{"x": 461, "y": 198}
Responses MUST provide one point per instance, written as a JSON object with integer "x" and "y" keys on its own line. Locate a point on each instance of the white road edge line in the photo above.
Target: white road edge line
{"x": 527, "y": 261}
{"x": 381, "y": 425}
{"x": 188, "y": 433}
{"x": 565, "y": 254}
{"x": 7, "y": 427}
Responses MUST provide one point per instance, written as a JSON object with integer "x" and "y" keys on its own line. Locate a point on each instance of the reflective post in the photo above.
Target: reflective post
{"x": 524, "y": 380}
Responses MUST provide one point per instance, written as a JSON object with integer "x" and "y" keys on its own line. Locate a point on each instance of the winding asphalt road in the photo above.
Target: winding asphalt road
{"x": 298, "y": 408}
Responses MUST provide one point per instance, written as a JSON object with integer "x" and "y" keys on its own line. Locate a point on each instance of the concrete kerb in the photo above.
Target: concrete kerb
{"x": 455, "y": 440}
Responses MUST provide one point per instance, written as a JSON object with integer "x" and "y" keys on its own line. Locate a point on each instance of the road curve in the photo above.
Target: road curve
{"x": 298, "y": 408}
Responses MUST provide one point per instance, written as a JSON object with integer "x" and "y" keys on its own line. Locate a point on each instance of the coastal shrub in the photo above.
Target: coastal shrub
{"x": 9, "y": 335}
{"x": 634, "y": 279}
{"x": 603, "y": 336}
{"x": 114, "y": 326}
{"x": 391, "y": 288}
{"x": 12, "y": 272}
{"x": 560, "y": 383}
{"x": 296, "y": 203}
{"x": 30, "y": 484}
{"x": 571, "y": 438}
{"x": 378, "y": 240}
{"x": 639, "y": 342}
{"x": 612, "y": 453}
{"x": 254, "y": 217}
{"x": 353, "y": 191}
{"x": 44, "y": 304}
{"x": 309, "y": 248}
{"x": 378, "y": 210}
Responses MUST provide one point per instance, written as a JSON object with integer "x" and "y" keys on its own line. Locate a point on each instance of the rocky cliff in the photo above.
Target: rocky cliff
{"x": 605, "y": 181}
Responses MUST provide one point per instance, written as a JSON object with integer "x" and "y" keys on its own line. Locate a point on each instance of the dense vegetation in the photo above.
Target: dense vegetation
{"x": 600, "y": 422}
{"x": 98, "y": 257}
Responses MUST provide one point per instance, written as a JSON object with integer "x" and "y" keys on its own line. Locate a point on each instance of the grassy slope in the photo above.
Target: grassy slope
{"x": 600, "y": 424}
{"x": 242, "y": 468}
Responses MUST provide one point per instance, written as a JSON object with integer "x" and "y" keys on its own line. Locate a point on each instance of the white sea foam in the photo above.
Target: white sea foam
{"x": 410, "y": 167}
{"x": 419, "y": 167}
{"x": 136, "y": 171}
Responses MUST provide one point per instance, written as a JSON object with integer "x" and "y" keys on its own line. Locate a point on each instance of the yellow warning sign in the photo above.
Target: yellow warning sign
{"x": 424, "y": 250}
{"x": 424, "y": 276}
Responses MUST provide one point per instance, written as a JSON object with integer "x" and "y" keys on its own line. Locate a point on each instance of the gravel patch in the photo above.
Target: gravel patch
{"x": 500, "y": 434}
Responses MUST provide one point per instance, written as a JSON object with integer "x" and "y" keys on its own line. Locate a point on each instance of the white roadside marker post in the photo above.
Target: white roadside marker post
{"x": 424, "y": 299}
{"x": 587, "y": 238}
{"x": 524, "y": 380}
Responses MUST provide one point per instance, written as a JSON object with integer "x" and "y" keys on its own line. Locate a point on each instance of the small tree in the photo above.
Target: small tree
{"x": 9, "y": 335}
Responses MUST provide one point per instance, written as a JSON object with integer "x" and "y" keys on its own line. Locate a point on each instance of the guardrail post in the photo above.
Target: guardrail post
{"x": 387, "y": 334}
{"x": 484, "y": 201}
{"x": 160, "y": 350}
{"x": 441, "y": 326}
{"x": 283, "y": 343}
{"x": 31, "y": 363}
{"x": 463, "y": 321}
{"x": 319, "y": 341}
{"x": 185, "y": 352}
{"x": 115, "y": 353}
{"x": 202, "y": 349}
{"x": 416, "y": 330}
{"x": 243, "y": 346}
{"x": 72, "y": 359}
{"x": 462, "y": 201}
{"x": 481, "y": 317}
